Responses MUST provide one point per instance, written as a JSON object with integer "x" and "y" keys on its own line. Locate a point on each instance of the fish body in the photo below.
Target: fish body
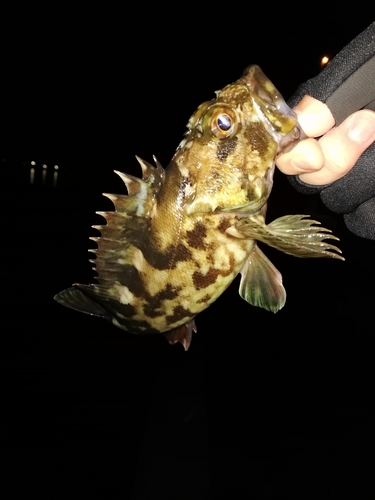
{"x": 181, "y": 236}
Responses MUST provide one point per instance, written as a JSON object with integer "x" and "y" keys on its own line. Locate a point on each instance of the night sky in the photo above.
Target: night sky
{"x": 99, "y": 88}
{"x": 262, "y": 405}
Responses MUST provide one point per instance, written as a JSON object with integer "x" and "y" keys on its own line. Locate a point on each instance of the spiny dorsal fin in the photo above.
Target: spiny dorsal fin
{"x": 123, "y": 203}
{"x": 141, "y": 192}
{"x": 159, "y": 169}
{"x": 151, "y": 174}
{"x": 147, "y": 168}
{"x": 134, "y": 185}
{"x": 124, "y": 234}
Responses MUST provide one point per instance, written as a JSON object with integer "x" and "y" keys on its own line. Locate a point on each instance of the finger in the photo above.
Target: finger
{"x": 316, "y": 119}
{"x": 314, "y": 116}
{"x": 342, "y": 146}
{"x": 305, "y": 157}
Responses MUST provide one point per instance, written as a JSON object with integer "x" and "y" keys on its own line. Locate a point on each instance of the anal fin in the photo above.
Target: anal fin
{"x": 261, "y": 283}
{"x": 182, "y": 334}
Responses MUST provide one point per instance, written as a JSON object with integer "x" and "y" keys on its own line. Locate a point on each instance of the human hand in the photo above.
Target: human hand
{"x": 323, "y": 161}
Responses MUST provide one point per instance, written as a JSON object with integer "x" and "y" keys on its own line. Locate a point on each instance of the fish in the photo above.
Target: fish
{"x": 180, "y": 236}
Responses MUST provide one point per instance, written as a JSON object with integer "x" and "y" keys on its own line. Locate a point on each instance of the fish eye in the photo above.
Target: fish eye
{"x": 223, "y": 122}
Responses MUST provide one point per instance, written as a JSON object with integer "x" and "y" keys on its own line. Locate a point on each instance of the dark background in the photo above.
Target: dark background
{"x": 262, "y": 405}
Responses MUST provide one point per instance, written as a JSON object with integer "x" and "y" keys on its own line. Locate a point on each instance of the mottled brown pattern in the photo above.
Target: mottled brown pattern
{"x": 152, "y": 312}
{"x": 131, "y": 278}
{"x": 223, "y": 225}
{"x": 157, "y": 259}
{"x": 154, "y": 306}
{"x": 179, "y": 312}
{"x": 167, "y": 259}
{"x": 259, "y": 140}
{"x": 225, "y": 148}
{"x": 195, "y": 237}
{"x": 201, "y": 280}
{"x": 181, "y": 253}
{"x": 126, "y": 310}
{"x": 204, "y": 299}
{"x": 210, "y": 256}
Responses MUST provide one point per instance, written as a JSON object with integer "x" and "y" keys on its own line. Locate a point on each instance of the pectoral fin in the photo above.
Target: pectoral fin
{"x": 292, "y": 234}
{"x": 261, "y": 283}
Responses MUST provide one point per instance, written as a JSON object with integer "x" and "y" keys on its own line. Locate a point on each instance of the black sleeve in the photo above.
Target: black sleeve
{"x": 347, "y": 84}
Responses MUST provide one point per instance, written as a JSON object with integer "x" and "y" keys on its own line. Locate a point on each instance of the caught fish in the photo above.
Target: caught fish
{"x": 179, "y": 237}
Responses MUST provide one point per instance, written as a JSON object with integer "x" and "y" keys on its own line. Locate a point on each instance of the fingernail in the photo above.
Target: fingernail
{"x": 362, "y": 127}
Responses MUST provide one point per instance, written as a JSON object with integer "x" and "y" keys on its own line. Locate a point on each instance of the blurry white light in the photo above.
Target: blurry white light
{"x": 44, "y": 166}
{"x": 56, "y": 167}
{"x": 33, "y": 163}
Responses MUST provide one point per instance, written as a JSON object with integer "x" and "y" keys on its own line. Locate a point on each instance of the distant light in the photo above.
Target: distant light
{"x": 33, "y": 163}
{"x": 324, "y": 60}
{"x": 56, "y": 167}
{"x": 44, "y": 166}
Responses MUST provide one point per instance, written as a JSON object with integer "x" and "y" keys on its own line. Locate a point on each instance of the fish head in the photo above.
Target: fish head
{"x": 227, "y": 157}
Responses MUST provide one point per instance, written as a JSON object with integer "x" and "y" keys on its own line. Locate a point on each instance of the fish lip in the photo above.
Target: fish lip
{"x": 288, "y": 142}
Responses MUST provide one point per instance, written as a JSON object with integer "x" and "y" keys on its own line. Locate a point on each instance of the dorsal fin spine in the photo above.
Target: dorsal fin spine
{"x": 147, "y": 168}
{"x": 134, "y": 185}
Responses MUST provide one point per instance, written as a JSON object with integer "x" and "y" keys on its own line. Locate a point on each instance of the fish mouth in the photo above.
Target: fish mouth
{"x": 288, "y": 142}
{"x": 269, "y": 100}
{"x": 279, "y": 119}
